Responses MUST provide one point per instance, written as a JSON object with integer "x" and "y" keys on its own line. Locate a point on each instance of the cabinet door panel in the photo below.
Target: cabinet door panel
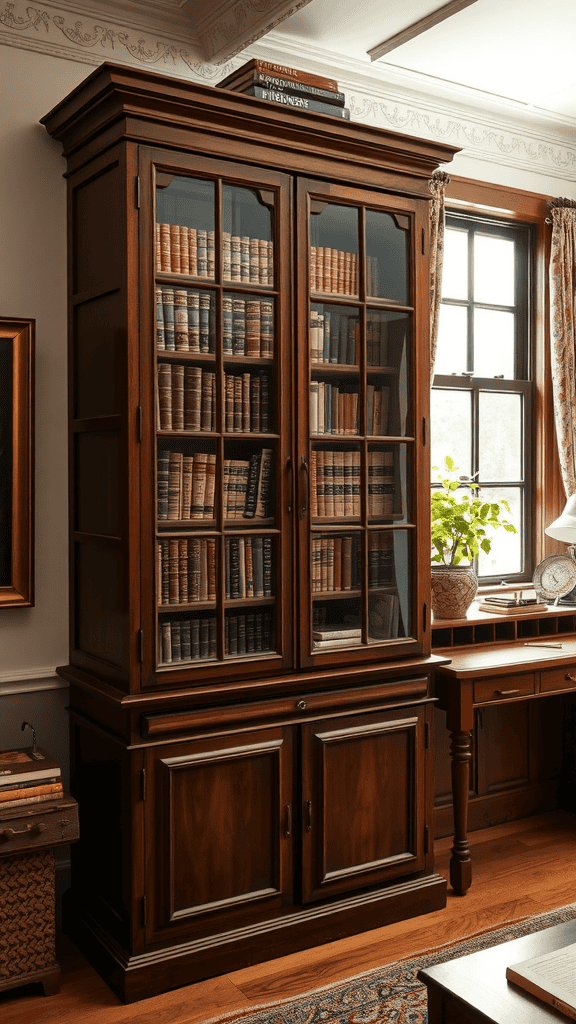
{"x": 218, "y": 831}
{"x": 363, "y": 801}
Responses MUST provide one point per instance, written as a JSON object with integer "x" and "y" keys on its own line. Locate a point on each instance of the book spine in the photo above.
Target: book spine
{"x": 290, "y": 74}
{"x": 13, "y": 796}
{"x": 263, "y": 500}
{"x": 298, "y": 102}
{"x": 269, "y": 81}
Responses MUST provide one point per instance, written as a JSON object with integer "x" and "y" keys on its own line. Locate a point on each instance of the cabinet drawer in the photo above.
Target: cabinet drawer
{"x": 503, "y": 687}
{"x": 30, "y": 830}
{"x": 558, "y": 679}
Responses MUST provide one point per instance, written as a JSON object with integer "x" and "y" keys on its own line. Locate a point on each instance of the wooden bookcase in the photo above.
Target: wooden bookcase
{"x": 249, "y": 782}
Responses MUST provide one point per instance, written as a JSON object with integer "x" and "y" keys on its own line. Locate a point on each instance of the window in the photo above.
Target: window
{"x": 481, "y": 403}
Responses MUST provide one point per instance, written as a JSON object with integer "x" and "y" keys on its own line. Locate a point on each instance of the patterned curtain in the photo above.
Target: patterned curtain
{"x": 437, "y": 186}
{"x": 563, "y": 338}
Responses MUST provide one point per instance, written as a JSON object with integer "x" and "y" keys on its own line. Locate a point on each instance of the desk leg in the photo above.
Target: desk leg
{"x": 460, "y": 863}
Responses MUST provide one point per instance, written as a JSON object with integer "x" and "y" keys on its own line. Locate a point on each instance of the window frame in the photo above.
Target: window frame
{"x": 474, "y": 224}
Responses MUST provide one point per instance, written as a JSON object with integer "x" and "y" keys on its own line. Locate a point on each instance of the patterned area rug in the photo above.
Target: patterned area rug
{"x": 390, "y": 994}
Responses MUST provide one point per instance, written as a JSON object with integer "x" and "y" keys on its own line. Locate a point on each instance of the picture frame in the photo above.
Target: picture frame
{"x": 17, "y": 357}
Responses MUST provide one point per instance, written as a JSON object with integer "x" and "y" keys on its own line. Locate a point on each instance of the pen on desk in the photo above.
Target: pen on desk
{"x": 544, "y": 645}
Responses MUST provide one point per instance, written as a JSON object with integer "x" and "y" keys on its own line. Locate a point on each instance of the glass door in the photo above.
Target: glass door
{"x": 358, "y": 439}
{"x": 222, "y": 424}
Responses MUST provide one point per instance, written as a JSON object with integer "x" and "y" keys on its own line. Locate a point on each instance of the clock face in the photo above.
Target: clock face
{"x": 555, "y": 576}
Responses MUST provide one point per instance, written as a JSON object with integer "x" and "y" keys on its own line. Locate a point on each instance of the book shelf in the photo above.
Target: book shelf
{"x": 249, "y": 533}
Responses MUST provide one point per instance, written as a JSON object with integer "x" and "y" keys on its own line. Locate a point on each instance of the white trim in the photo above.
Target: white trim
{"x": 31, "y": 682}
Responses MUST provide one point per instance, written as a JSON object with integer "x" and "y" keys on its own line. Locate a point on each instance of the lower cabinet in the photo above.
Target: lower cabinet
{"x": 250, "y": 843}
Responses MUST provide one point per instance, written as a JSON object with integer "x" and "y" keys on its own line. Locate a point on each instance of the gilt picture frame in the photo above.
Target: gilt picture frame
{"x": 17, "y": 355}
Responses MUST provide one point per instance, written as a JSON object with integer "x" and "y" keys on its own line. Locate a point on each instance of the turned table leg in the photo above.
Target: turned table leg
{"x": 460, "y": 863}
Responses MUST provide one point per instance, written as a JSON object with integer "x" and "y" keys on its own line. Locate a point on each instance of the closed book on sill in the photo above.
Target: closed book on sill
{"x": 550, "y": 977}
{"x": 522, "y": 609}
{"x": 27, "y": 765}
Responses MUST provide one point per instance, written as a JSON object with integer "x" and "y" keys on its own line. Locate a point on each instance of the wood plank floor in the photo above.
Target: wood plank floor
{"x": 521, "y": 868}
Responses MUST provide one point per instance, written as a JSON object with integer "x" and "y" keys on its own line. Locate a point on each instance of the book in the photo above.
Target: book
{"x": 9, "y": 795}
{"x": 550, "y": 977}
{"x": 27, "y": 764}
{"x": 289, "y": 74}
{"x": 336, "y": 634}
{"x": 514, "y": 610}
{"x": 288, "y": 99}
{"x": 267, "y": 80}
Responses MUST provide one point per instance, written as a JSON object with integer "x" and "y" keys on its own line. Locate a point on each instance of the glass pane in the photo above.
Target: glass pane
{"x": 334, "y": 334}
{"x": 494, "y": 270}
{"x": 185, "y": 227}
{"x": 505, "y": 555}
{"x": 336, "y": 622}
{"x": 187, "y": 570}
{"x": 247, "y": 233}
{"x": 248, "y": 402}
{"x": 500, "y": 417}
{"x": 335, "y": 483}
{"x": 249, "y": 632}
{"x": 388, "y": 344}
{"x": 336, "y": 562}
{"x": 333, "y": 249}
{"x": 333, "y": 405}
{"x": 186, "y": 638}
{"x": 451, "y": 430}
{"x": 455, "y": 268}
{"x": 249, "y": 567}
{"x": 387, "y": 256}
{"x": 387, "y": 483}
{"x": 494, "y": 333}
{"x": 389, "y": 605}
{"x": 248, "y": 481}
{"x": 247, "y": 326}
{"x": 186, "y": 475}
{"x": 378, "y": 390}
{"x": 185, "y": 320}
{"x": 452, "y": 348}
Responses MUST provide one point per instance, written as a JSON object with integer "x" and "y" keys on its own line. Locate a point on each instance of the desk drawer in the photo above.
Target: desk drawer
{"x": 28, "y": 831}
{"x": 503, "y": 688}
{"x": 558, "y": 679}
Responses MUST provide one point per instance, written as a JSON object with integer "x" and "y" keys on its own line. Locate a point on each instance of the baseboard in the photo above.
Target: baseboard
{"x": 133, "y": 977}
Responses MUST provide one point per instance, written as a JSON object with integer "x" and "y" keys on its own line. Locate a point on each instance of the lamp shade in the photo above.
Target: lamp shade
{"x": 564, "y": 528}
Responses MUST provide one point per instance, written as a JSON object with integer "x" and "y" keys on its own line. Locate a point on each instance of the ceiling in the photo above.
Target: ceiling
{"x": 519, "y": 53}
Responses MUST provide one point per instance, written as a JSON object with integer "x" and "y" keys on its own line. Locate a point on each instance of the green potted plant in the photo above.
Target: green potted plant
{"x": 459, "y": 532}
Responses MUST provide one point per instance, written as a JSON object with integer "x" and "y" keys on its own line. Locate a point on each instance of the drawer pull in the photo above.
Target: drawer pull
{"x": 9, "y": 833}
{"x": 302, "y": 705}
{"x": 570, "y": 678}
{"x": 506, "y": 693}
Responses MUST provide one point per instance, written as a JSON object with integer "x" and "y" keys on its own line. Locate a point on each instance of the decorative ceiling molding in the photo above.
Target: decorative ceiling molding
{"x": 529, "y": 140}
{"x": 232, "y": 27}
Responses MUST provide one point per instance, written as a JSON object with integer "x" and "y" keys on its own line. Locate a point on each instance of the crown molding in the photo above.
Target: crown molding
{"x": 487, "y": 128}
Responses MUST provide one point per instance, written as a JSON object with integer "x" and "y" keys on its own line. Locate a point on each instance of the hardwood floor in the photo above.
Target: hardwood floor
{"x": 519, "y": 869}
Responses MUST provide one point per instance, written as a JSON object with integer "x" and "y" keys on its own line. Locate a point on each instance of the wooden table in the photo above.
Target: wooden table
{"x": 473, "y": 989}
{"x": 480, "y": 677}
{"x": 28, "y": 835}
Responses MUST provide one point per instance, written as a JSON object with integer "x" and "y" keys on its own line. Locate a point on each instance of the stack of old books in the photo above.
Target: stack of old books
{"x": 28, "y": 776}
{"x": 288, "y": 87}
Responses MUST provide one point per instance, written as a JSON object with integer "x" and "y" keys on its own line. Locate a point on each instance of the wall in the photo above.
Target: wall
{"x": 33, "y": 284}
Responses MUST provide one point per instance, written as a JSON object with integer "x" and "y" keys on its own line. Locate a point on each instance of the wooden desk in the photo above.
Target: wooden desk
{"x": 473, "y": 989}
{"x": 483, "y": 676}
{"x": 28, "y": 835}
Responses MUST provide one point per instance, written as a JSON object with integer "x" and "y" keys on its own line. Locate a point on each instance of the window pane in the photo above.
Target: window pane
{"x": 451, "y": 353}
{"x": 494, "y": 270}
{"x": 455, "y": 269}
{"x": 500, "y": 417}
{"x": 505, "y": 556}
{"x": 451, "y": 416}
{"x": 494, "y": 343}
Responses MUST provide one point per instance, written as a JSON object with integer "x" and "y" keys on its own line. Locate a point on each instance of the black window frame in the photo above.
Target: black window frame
{"x": 523, "y": 382}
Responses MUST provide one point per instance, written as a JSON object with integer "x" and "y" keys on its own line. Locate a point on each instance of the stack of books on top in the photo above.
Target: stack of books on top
{"x": 28, "y": 776}
{"x": 288, "y": 87}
